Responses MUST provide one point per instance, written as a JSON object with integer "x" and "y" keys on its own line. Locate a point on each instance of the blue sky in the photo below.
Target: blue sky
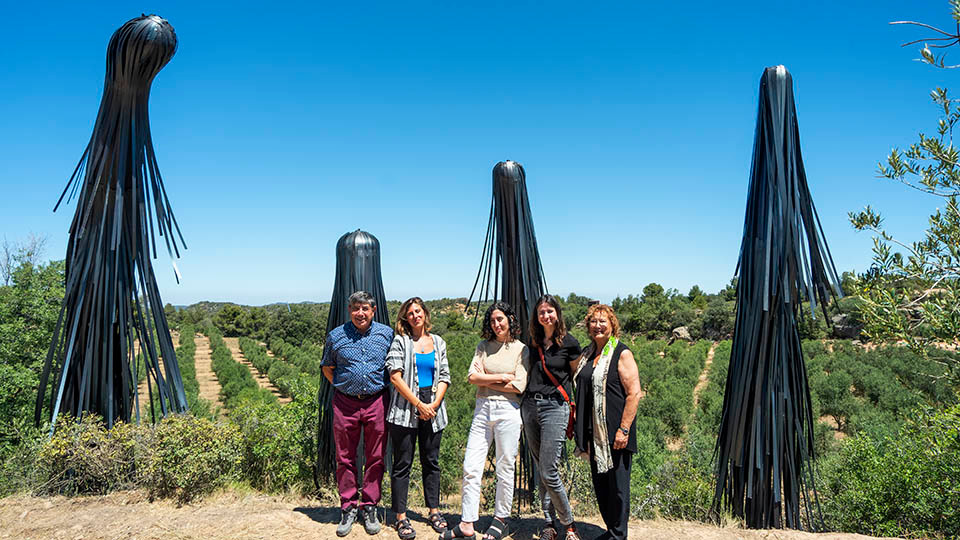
{"x": 280, "y": 127}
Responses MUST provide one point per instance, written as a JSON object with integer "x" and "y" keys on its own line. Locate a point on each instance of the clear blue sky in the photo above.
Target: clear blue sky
{"x": 280, "y": 127}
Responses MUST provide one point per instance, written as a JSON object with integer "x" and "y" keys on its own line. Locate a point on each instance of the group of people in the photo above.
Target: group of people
{"x": 393, "y": 382}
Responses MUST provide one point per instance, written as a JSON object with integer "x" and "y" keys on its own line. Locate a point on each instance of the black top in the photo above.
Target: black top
{"x": 616, "y": 399}
{"x": 558, "y": 358}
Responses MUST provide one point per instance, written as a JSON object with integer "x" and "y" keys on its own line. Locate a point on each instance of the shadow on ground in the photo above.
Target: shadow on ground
{"x": 525, "y": 528}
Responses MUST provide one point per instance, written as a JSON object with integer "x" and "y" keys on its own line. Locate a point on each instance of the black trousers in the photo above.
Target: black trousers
{"x": 613, "y": 494}
{"x": 404, "y": 442}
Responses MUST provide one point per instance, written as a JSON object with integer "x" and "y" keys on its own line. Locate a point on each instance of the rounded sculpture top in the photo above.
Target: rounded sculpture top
{"x": 138, "y": 50}
{"x": 508, "y": 172}
{"x": 359, "y": 243}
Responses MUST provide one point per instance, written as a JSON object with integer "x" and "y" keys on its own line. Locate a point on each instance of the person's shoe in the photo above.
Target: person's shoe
{"x": 371, "y": 521}
{"x": 347, "y": 519}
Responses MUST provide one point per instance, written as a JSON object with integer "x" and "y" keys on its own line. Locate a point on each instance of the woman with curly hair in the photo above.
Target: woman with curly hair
{"x": 499, "y": 370}
{"x": 608, "y": 392}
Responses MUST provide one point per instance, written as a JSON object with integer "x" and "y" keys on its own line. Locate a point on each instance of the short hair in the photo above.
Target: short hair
{"x": 536, "y": 329}
{"x": 362, "y": 297}
{"x": 487, "y": 332}
{"x": 403, "y": 327}
{"x": 608, "y": 311}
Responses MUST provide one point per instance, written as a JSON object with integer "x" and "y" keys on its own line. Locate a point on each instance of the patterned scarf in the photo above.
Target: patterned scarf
{"x": 601, "y": 439}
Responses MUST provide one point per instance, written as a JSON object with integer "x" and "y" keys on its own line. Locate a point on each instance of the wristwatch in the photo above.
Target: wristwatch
{"x": 625, "y": 431}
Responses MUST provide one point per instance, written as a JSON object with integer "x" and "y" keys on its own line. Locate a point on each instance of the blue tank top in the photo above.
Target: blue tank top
{"x": 425, "y": 368}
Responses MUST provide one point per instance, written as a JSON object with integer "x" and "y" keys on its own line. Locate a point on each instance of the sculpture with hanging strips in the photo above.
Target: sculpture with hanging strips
{"x": 510, "y": 270}
{"x": 765, "y": 446}
{"x": 358, "y": 269}
{"x": 112, "y": 308}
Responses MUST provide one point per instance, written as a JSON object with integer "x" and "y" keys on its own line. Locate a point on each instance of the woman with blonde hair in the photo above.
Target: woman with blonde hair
{"x": 417, "y": 363}
{"x": 608, "y": 392}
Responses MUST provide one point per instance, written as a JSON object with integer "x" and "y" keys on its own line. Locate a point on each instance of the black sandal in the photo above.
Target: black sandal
{"x": 497, "y": 530}
{"x": 437, "y": 522}
{"x": 405, "y": 529}
{"x": 456, "y": 532}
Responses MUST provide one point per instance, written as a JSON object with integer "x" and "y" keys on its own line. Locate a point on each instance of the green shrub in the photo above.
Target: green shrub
{"x": 192, "y": 456}
{"x": 85, "y": 458}
{"x": 907, "y": 485}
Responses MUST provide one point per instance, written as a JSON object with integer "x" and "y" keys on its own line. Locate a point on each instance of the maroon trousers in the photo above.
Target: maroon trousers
{"x": 352, "y": 416}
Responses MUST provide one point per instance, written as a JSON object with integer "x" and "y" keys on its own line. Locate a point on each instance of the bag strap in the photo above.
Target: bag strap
{"x": 552, "y": 378}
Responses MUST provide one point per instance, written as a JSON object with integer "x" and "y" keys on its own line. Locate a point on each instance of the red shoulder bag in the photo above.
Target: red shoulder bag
{"x": 573, "y": 406}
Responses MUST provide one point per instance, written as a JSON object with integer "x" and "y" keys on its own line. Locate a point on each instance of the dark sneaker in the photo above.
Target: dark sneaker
{"x": 371, "y": 521}
{"x": 347, "y": 519}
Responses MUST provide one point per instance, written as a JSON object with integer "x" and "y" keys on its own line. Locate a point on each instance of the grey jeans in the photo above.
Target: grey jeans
{"x": 545, "y": 428}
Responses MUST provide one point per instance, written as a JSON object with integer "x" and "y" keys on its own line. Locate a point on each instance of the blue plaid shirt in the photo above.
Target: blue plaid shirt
{"x": 358, "y": 360}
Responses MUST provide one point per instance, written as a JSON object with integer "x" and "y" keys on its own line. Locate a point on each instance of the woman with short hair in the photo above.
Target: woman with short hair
{"x": 607, "y": 392}
{"x": 499, "y": 370}
{"x": 417, "y": 363}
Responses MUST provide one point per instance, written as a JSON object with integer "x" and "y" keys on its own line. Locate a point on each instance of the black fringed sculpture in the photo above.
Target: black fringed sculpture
{"x": 111, "y": 295}
{"x": 510, "y": 266}
{"x": 358, "y": 269}
{"x": 765, "y": 445}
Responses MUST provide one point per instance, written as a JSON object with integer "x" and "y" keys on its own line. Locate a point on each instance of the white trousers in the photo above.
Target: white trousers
{"x": 497, "y": 420}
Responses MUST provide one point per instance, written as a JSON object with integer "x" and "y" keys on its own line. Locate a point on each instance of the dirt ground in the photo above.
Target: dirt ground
{"x": 239, "y": 517}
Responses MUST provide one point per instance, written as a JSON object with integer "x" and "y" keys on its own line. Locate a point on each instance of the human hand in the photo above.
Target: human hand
{"x": 425, "y": 412}
{"x": 620, "y": 441}
{"x": 505, "y": 378}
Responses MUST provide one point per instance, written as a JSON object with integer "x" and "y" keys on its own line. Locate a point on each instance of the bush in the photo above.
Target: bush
{"x": 898, "y": 486}
{"x": 278, "y": 447}
{"x": 85, "y": 458}
{"x": 192, "y": 456}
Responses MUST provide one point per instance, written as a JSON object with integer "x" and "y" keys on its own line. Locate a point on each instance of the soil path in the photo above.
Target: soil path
{"x": 233, "y": 344}
{"x": 237, "y": 517}
{"x": 206, "y": 379}
{"x": 702, "y": 381}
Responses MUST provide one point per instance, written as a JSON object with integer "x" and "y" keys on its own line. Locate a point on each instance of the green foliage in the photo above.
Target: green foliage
{"x": 236, "y": 382}
{"x": 277, "y": 440}
{"x": 678, "y": 491}
{"x": 192, "y": 456}
{"x": 85, "y": 458}
{"x": 908, "y": 485}
{"x": 29, "y": 307}
{"x": 911, "y": 292}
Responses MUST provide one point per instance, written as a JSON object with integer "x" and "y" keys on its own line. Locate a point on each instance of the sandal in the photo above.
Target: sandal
{"x": 548, "y": 533}
{"x": 497, "y": 530}
{"x": 437, "y": 522}
{"x": 455, "y": 532}
{"x": 405, "y": 529}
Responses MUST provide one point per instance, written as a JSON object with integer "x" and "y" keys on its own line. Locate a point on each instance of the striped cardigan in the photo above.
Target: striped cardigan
{"x": 401, "y": 358}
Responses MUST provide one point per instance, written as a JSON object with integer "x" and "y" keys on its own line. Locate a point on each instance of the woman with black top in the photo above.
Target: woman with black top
{"x": 546, "y": 410}
{"x": 607, "y": 394}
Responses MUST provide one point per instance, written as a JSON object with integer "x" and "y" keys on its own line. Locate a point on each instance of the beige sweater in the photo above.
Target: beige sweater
{"x": 493, "y": 357}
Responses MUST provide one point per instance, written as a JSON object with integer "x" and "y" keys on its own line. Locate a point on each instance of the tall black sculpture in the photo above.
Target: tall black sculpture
{"x": 111, "y": 295}
{"x": 510, "y": 270}
{"x": 765, "y": 444}
{"x": 358, "y": 269}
